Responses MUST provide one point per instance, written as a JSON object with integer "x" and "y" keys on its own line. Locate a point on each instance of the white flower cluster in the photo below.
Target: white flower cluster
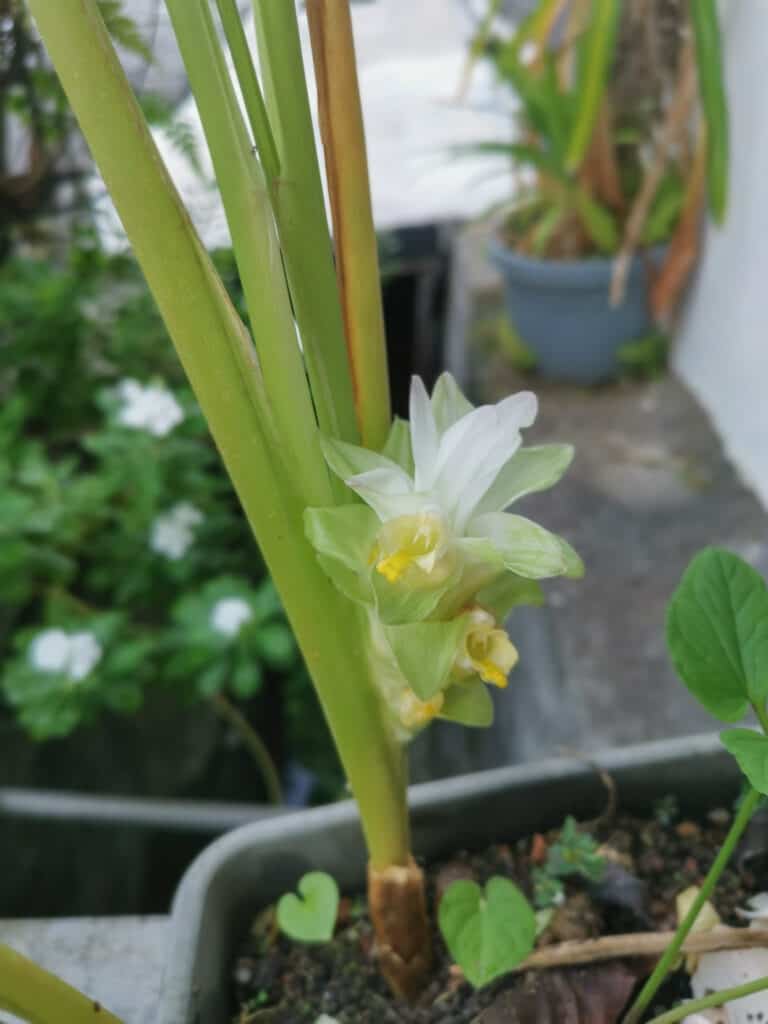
{"x": 229, "y": 615}
{"x": 150, "y": 407}
{"x": 173, "y": 532}
{"x": 74, "y": 654}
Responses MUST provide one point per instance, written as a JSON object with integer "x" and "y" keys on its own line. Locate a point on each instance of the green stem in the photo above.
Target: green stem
{"x": 250, "y": 88}
{"x": 256, "y": 746}
{"x": 249, "y": 215}
{"x": 648, "y": 991}
{"x": 39, "y": 997}
{"x": 219, "y": 360}
{"x": 725, "y": 995}
{"x": 301, "y": 219}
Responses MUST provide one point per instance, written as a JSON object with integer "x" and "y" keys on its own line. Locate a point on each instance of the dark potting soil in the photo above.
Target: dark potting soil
{"x": 278, "y": 981}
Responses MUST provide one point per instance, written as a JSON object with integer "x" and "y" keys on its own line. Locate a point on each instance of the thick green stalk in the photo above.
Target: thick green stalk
{"x": 725, "y": 995}
{"x": 220, "y": 363}
{"x": 648, "y": 991}
{"x": 301, "y": 219}
{"x": 39, "y": 997}
{"x": 250, "y": 88}
{"x": 249, "y": 214}
{"x": 357, "y": 256}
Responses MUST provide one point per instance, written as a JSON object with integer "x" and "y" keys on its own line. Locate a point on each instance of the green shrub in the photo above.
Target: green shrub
{"x": 125, "y": 561}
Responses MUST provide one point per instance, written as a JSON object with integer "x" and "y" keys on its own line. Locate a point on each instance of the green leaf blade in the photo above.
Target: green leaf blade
{"x": 488, "y": 933}
{"x": 750, "y": 749}
{"x": 717, "y": 633}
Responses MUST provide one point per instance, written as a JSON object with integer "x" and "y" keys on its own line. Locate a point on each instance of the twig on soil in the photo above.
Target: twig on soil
{"x": 640, "y": 944}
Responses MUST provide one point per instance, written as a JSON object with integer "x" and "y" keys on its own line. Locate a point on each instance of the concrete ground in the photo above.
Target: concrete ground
{"x": 648, "y": 488}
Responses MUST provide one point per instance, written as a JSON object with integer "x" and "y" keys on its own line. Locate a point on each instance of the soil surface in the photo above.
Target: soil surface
{"x": 648, "y": 862}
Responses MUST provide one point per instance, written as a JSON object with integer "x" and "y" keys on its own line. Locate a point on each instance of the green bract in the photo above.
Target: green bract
{"x": 430, "y": 553}
{"x": 717, "y": 633}
{"x": 488, "y": 932}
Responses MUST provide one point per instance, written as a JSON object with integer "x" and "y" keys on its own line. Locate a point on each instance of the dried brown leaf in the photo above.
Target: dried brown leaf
{"x": 596, "y": 994}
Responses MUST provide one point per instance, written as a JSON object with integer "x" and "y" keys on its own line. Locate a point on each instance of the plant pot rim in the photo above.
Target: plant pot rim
{"x": 218, "y": 893}
{"x": 589, "y": 271}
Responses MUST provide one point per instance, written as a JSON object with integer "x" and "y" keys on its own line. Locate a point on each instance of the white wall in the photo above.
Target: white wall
{"x": 722, "y": 352}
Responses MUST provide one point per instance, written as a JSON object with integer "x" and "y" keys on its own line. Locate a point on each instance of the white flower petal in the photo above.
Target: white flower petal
{"x": 448, "y": 402}
{"x": 424, "y": 437}
{"x": 84, "y": 654}
{"x": 389, "y": 492}
{"x": 473, "y": 451}
{"x": 229, "y": 615}
{"x": 49, "y": 651}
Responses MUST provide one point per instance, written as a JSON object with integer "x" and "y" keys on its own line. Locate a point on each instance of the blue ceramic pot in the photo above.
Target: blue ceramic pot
{"x": 562, "y": 312}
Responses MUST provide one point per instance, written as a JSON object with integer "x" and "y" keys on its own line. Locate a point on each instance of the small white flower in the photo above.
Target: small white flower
{"x": 74, "y": 654}
{"x": 49, "y": 651}
{"x": 173, "y": 532}
{"x": 230, "y": 614}
{"x": 152, "y": 408}
{"x": 84, "y": 654}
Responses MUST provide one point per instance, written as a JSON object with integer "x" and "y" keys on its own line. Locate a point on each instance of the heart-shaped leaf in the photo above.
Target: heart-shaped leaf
{"x": 487, "y": 933}
{"x": 717, "y": 633}
{"x": 750, "y": 749}
{"x": 311, "y": 916}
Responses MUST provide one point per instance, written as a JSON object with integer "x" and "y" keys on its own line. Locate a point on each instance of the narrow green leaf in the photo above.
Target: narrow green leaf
{"x": 597, "y": 54}
{"x": 599, "y": 222}
{"x": 717, "y": 633}
{"x": 468, "y": 704}
{"x": 529, "y": 471}
{"x": 488, "y": 933}
{"x": 709, "y": 61}
{"x": 426, "y": 676}
{"x": 750, "y": 749}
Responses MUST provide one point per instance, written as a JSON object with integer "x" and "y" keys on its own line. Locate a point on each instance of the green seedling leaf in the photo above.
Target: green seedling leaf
{"x": 487, "y": 933}
{"x": 751, "y": 751}
{"x": 717, "y": 633}
{"x": 310, "y": 916}
{"x": 575, "y": 853}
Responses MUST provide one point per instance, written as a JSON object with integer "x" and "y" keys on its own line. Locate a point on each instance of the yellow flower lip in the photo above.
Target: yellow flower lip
{"x": 487, "y": 650}
{"x": 418, "y": 541}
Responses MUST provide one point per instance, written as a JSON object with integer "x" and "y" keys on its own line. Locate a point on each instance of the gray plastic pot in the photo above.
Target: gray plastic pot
{"x": 561, "y": 311}
{"x": 251, "y": 867}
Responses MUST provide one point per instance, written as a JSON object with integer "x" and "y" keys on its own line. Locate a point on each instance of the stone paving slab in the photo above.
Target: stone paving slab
{"x": 118, "y": 961}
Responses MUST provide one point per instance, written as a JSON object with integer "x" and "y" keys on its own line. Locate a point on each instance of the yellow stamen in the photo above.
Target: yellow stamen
{"x": 413, "y": 542}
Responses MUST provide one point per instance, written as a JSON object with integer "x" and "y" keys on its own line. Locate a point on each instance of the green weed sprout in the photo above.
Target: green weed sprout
{"x": 387, "y": 541}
